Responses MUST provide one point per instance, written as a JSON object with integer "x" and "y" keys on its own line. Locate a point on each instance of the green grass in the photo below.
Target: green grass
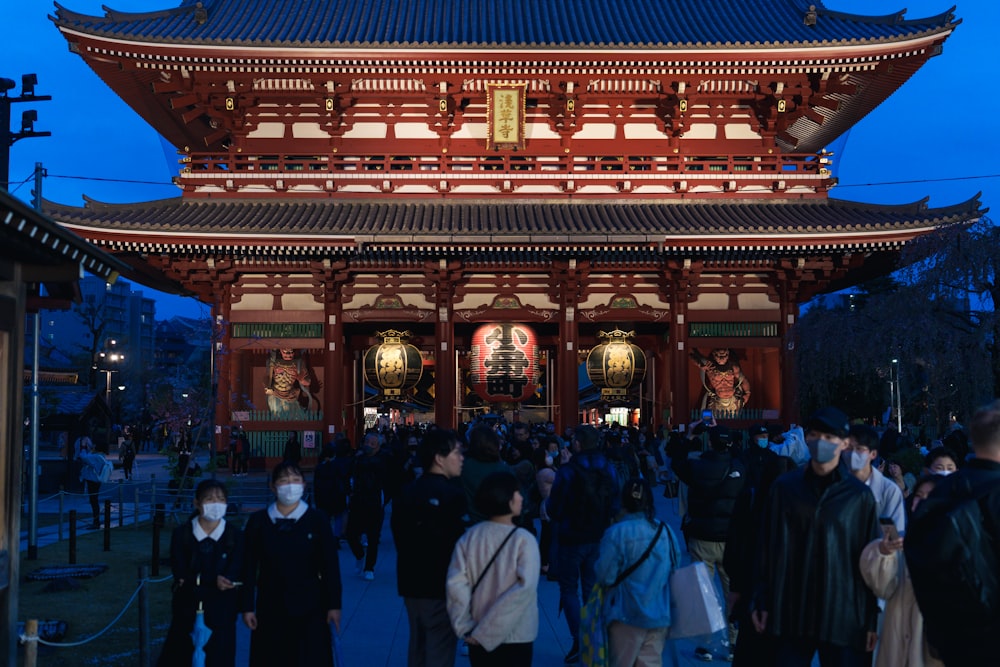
{"x": 96, "y": 603}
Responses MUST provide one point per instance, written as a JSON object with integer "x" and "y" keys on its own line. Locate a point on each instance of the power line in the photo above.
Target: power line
{"x": 19, "y": 185}
{"x": 109, "y": 180}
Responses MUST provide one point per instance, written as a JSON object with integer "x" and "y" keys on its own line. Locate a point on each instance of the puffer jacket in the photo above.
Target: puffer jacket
{"x": 643, "y": 598}
{"x": 715, "y": 481}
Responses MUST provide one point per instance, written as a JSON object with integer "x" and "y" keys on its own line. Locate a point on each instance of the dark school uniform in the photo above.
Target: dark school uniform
{"x": 207, "y": 558}
{"x": 291, "y": 578}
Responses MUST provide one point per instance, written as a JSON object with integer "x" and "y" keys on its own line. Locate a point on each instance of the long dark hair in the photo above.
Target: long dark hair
{"x": 637, "y": 496}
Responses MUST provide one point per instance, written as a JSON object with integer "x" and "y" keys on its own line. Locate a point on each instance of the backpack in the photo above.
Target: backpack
{"x": 593, "y": 491}
{"x": 951, "y": 557}
{"x": 104, "y": 473}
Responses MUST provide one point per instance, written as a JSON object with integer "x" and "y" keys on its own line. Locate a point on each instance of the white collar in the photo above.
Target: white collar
{"x": 296, "y": 514}
{"x": 200, "y": 534}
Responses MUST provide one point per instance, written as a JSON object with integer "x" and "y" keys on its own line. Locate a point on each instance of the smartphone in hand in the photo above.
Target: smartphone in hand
{"x": 889, "y": 532}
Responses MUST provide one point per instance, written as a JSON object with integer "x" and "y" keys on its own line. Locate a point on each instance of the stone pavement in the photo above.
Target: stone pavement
{"x": 374, "y": 629}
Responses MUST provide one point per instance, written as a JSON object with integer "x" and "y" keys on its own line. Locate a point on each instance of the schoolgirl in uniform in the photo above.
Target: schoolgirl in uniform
{"x": 292, "y": 590}
{"x": 206, "y": 557}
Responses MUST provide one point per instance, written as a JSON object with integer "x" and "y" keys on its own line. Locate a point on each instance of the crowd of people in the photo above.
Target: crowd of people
{"x": 805, "y": 528}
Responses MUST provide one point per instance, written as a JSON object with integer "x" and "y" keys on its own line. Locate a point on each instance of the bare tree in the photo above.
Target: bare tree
{"x": 937, "y": 317}
{"x": 92, "y": 312}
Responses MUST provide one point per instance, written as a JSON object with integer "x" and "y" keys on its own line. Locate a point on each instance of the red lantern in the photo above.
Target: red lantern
{"x": 395, "y": 365}
{"x": 504, "y": 362}
{"x": 616, "y": 364}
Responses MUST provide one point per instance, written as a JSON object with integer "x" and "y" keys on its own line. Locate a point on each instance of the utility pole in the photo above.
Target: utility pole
{"x": 36, "y": 201}
{"x": 28, "y": 118}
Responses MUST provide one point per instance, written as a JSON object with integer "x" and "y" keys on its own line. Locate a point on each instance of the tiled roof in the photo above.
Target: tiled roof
{"x": 220, "y": 223}
{"x": 502, "y": 23}
{"x": 64, "y": 400}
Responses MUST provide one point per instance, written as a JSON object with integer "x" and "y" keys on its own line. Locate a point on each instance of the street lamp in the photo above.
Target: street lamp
{"x": 107, "y": 357}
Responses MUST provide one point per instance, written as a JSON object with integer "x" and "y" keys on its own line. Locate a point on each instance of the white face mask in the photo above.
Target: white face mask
{"x": 213, "y": 511}
{"x": 943, "y": 473}
{"x": 858, "y": 461}
{"x": 290, "y": 494}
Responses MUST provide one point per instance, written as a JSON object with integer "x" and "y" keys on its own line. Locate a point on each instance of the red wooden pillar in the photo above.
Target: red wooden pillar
{"x": 445, "y": 375}
{"x": 678, "y": 354}
{"x": 789, "y": 341}
{"x": 663, "y": 383}
{"x": 223, "y": 366}
{"x": 334, "y": 369}
{"x": 568, "y": 392}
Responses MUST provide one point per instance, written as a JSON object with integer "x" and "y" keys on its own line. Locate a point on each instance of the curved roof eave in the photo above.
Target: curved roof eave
{"x": 722, "y": 25}
{"x": 345, "y": 224}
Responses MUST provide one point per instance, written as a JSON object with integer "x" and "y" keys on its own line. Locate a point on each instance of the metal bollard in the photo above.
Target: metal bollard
{"x": 72, "y": 537}
{"x": 158, "y": 520}
{"x": 107, "y": 525}
{"x": 62, "y": 501}
{"x": 135, "y": 507}
{"x": 121, "y": 505}
{"x": 144, "y": 645}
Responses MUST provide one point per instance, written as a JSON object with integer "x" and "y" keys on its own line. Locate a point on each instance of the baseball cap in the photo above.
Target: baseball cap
{"x": 828, "y": 420}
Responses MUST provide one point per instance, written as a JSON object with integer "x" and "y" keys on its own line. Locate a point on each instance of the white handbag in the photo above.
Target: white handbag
{"x": 695, "y": 608}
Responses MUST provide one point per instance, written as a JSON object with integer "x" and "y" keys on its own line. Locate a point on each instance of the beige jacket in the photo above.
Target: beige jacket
{"x": 902, "y": 643}
{"x": 504, "y": 609}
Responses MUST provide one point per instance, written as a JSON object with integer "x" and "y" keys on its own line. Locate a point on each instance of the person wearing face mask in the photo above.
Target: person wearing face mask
{"x": 862, "y": 450}
{"x": 205, "y": 556}
{"x": 291, "y": 597}
{"x": 809, "y": 594}
{"x": 940, "y": 461}
{"x": 757, "y": 456}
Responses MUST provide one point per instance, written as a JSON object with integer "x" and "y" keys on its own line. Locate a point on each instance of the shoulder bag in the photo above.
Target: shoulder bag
{"x": 593, "y": 625}
{"x": 695, "y": 608}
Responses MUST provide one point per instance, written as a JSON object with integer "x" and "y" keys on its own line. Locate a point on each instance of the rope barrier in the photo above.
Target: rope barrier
{"x": 25, "y": 639}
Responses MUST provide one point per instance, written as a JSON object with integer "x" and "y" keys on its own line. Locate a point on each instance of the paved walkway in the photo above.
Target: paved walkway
{"x": 374, "y": 629}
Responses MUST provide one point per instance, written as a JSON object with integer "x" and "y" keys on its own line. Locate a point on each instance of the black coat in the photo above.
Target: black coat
{"x": 428, "y": 518}
{"x": 715, "y": 481}
{"x": 331, "y": 484}
{"x": 197, "y": 565}
{"x": 963, "y": 636}
{"x": 291, "y": 577}
{"x": 809, "y": 578}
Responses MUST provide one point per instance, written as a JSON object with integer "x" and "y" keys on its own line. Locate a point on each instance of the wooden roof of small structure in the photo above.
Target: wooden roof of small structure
{"x": 49, "y": 254}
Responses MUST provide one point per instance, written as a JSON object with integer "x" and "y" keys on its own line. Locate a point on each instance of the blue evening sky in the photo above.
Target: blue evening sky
{"x": 935, "y": 137}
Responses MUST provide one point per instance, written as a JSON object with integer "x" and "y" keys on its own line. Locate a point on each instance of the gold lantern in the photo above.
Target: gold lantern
{"x": 616, "y": 364}
{"x": 394, "y": 366}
